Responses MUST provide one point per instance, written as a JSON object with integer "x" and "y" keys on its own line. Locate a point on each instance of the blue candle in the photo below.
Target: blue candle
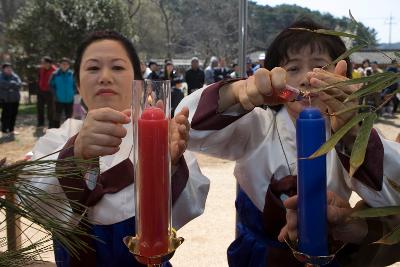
{"x": 311, "y": 184}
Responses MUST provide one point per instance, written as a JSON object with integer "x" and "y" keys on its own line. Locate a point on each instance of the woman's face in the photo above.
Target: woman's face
{"x": 170, "y": 68}
{"x": 106, "y": 76}
{"x": 297, "y": 66}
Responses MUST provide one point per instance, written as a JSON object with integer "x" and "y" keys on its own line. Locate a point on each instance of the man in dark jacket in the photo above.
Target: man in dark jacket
{"x": 10, "y": 84}
{"x": 154, "y": 75}
{"x": 194, "y": 76}
{"x": 176, "y": 94}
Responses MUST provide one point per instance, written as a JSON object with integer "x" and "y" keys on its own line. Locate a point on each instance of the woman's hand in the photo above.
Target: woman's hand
{"x": 255, "y": 90}
{"x": 101, "y": 133}
{"x": 338, "y": 212}
{"x": 179, "y": 134}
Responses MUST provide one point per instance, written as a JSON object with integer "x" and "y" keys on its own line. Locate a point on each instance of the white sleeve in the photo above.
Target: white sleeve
{"x": 191, "y": 202}
{"x": 235, "y": 140}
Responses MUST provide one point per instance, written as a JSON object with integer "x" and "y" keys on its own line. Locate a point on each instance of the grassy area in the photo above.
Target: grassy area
{"x": 27, "y": 109}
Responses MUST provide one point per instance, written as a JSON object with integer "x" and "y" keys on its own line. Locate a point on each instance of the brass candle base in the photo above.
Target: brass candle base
{"x": 309, "y": 260}
{"x": 132, "y": 242}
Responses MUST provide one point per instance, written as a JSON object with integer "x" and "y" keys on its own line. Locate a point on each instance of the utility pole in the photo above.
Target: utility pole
{"x": 243, "y": 12}
{"x": 391, "y": 22}
{"x": 390, "y": 29}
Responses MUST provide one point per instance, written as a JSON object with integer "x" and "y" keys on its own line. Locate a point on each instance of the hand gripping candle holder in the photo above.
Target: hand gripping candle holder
{"x": 155, "y": 241}
{"x": 312, "y": 245}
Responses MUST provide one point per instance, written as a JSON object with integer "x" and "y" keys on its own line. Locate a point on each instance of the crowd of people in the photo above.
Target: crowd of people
{"x": 368, "y": 68}
{"x": 56, "y": 89}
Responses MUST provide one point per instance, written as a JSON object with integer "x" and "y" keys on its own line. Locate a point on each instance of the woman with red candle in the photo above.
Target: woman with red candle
{"x": 227, "y": 121}
{"x": 106, "y": 65}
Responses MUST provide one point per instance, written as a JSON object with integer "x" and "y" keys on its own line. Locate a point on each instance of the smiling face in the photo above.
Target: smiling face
{"x": 297, "y": 65}
{"x": 106, "y": 75}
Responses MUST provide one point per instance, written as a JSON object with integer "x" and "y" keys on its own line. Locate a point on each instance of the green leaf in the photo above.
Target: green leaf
{"x": 352, "y": 18}
{"x": 329, "y": 32}
{"x": 328, "y": 145}
{"x": 390, "y": 238}
{"x": 395, "y": 185}
{"x": 351, "y": 109}
{"x": 336, "y": 33}
{"x": 346, "y": 54}
{"x": 397, "y": 54}
{"x": 358, "y": 80}
{"x": 374, "y": 86}
{"x": 376, "y": 212}
{"x": 360, "y": 145}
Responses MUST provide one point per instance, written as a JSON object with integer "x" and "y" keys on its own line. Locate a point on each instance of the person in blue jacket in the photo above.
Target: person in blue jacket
{"x": 10, "y": 85}
{"x": 63, "y": 85}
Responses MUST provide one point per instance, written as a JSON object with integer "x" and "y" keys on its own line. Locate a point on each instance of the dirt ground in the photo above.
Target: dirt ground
{"x": 206, "y": 237}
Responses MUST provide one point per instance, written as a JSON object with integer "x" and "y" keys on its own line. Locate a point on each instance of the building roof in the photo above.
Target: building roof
{"x": 373, "y": 55}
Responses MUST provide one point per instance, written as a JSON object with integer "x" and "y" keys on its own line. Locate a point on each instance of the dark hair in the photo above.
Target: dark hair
{"x": 5, "y": 65}
{"x": 47, "y": 59}
{"x": 294, "y": 40}
{"x": 366, "y": 61}
{"x": 65, "y": 59}
{"x": 108, "y": 35}
{"x": 168, "y": 76}
{"x": 152, "y": 63}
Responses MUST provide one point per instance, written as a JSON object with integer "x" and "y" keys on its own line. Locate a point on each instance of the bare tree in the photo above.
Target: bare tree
{"x": 168, "y": 17}
{"x": 133, "y": 8}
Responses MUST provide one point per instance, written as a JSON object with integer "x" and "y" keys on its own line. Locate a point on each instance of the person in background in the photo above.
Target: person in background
{"x": 169, "y": 71}
{"x": 375, "y": 67}
{"x": 222, "y": 72}
{"x": 249, "y": 67}
{"x": 194, "y": 76}
{"x": 235, "y": 73}
{"x": 390, "y": 108}
{"x": 356, "y": 73}
{"x": 365, "y": 65}
{"x": 176, "y": 94}
{"x": 45, "y": 98}
{"x": 63, "y": 86}
{"x": 209, "y": 73}
{"x": 10, "y": 85}
{"x": 261, "y": 59}
{"x": 144, "y": 69}
{"x": 154, "y": 75}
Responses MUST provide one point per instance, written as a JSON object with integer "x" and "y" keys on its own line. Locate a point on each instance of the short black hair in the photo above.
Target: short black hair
{"x": 152, "y": 63}
{"x": 65, "y": 59}
{"x": 5, "y": 65}
{"x": 47, "y": 59}
{"x": 294, "y": 40}
{"x": 108, "y": 35}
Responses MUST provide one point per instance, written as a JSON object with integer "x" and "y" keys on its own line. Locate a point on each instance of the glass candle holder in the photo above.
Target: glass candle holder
{"x": 150, "y": 117}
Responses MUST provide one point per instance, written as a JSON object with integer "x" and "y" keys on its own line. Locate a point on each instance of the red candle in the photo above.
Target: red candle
{"x": 153, "y": 183}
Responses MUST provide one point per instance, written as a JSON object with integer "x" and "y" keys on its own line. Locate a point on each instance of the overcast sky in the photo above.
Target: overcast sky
{"x": 374, "y": 14}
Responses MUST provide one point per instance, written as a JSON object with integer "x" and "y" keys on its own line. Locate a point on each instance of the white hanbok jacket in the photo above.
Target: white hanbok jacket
{"x": 263, "y": 144}
{"x": 119, "y": 206}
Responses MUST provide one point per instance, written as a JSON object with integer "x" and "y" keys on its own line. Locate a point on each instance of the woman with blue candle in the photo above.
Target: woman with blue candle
{"x": 227, "y": 122}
